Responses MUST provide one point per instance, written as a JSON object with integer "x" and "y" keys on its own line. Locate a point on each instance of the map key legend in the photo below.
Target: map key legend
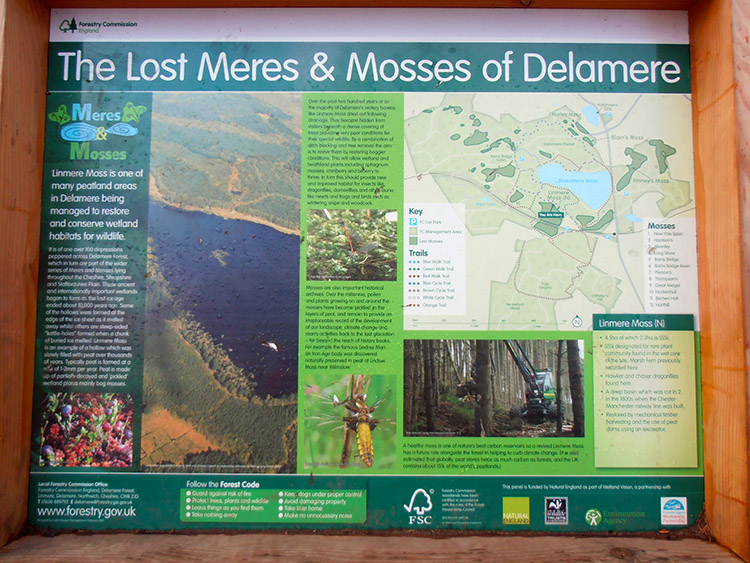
{"x": 436, "y": 263}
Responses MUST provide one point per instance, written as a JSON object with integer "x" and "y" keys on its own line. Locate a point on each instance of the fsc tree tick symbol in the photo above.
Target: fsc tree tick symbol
{"x": 420, "y": 503}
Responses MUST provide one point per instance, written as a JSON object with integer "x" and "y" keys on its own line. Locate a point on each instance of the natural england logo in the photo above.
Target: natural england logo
{"x": 418, "y": 507}
{"x": 516, "y": 511}
{"x": 82, "y": 126}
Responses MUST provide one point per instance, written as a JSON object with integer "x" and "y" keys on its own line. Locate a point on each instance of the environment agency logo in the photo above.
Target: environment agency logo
{"x": 593, "y": 517}
{"x": 516, "y": 511}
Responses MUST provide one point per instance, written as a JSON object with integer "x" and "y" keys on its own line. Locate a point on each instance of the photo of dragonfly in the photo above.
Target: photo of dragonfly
{"x": 350, "y": 423}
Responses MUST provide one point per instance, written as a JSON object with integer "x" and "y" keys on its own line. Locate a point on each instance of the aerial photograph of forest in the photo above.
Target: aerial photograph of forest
{"x": 220, "y": 360}
{"x": 508, "y": 388}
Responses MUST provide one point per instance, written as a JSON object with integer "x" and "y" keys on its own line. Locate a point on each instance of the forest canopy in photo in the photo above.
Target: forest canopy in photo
{"x": 486, "y": 388}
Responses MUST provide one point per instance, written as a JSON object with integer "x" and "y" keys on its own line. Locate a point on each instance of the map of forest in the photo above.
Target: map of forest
{"x": 559, "y": 195}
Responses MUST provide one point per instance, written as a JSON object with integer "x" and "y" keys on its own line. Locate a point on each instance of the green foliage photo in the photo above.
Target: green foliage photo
{"x": 325, "y": 425}
{"x": 352, "y": 244}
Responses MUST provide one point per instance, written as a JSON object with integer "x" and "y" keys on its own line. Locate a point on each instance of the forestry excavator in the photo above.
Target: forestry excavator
{"x": 541, "y": 399}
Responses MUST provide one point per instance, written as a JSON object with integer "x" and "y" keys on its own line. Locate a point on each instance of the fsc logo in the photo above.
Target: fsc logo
{"x": 418, "y": 507}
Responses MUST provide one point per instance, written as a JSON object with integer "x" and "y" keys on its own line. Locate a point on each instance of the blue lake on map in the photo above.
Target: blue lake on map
{"x": 594, "y": 188}
{"x": 240, "y": 280}
{"x": 591, "y": 115}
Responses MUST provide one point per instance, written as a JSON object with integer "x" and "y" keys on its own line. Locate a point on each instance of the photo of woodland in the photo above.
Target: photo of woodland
{"x": 494, "y": 388}
{"x": 352, "y": 244}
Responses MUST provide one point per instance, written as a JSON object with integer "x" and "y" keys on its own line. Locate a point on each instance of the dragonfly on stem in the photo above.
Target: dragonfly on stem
{"x": 358, "y": 419}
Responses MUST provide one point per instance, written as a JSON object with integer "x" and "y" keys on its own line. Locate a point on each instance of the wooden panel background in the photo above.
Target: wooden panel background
{"x": 22, "y": 86}
{"x": 344, "y": 549}
{"x": 722, "y": 130}
{"x": 720, "y": 250}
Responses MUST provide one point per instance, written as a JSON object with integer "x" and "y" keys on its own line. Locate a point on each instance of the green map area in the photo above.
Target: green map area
{"x": 557, "y": 191}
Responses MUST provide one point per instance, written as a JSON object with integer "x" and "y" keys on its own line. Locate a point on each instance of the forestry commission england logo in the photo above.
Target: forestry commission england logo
{"x": 72, "y": 26}
{"x": 418, "y": 507}
{"x": 555, "y": 511}
{"x": 674, "y": 511}
{"x": 593, "y": 517}
{"x": 68, "y": 25}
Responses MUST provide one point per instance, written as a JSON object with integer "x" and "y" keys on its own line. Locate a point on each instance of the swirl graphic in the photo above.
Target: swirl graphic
{"x": 78, "y": 132}
{"x": 123, "y": 129}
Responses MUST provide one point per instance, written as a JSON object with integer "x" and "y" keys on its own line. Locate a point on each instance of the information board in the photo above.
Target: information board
{"x": 428, "y": 269}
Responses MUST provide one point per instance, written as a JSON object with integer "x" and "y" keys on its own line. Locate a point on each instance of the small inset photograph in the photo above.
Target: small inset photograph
{"x": 494, "y": 388}
{"x": 350, "y": 421}
{"x": 86, "y": 430}
{"x": 352, "y": 244}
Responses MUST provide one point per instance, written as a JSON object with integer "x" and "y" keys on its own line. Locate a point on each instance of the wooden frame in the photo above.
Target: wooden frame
{"x": 722, "y": 166}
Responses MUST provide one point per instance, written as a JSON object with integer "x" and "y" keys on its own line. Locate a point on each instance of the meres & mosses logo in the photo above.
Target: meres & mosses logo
{"x": 82, "y": 126}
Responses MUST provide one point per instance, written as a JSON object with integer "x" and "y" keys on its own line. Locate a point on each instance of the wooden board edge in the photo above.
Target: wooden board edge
{"x": 723, "y": 336}
{"x": 306, "y": 546}
{"x": 741, "y": 42}
{"x": 22, "y": 86}
{"x": 21, "y": 182}
{"x": 531, "y": 4}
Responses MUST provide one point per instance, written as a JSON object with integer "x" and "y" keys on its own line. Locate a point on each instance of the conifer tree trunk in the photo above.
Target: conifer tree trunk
{"x": 558, "y": 386}
{"x": 411, "y": 381}
{"x": 483, "y": 387}
{"x": 576, "y": 387}
{"x": 428, "y": 391}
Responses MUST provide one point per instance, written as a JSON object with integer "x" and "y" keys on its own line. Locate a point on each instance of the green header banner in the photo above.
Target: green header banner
{"x": 368, "y": 67}
{"x": 643, "y": 322}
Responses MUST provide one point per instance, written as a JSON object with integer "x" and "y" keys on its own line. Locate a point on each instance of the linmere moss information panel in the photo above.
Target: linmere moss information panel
{"x": 367, "y": 269}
